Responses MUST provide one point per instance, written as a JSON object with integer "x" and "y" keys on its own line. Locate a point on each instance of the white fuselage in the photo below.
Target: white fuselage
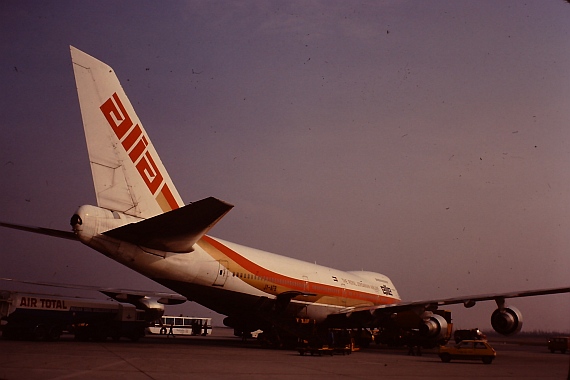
{"x": 217, "y": 267}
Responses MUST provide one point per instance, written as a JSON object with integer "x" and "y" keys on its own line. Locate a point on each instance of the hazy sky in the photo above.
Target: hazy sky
{"x": 428, "y": 141}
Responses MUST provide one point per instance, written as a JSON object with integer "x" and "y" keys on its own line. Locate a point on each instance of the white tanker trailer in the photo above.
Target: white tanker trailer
{"x": 44, "y": 317}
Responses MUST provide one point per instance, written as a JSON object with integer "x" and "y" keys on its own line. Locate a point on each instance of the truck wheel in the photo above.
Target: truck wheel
{"x": 40, "y": 333}
{"x": 445, "y": 357}
{"x": 54, "y": 333}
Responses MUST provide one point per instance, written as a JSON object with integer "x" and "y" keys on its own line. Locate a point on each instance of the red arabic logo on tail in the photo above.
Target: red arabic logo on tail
{"x": 135, "y": 144}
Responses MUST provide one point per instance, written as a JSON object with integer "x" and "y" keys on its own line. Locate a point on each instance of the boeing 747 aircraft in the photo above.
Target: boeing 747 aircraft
{"x": 141, "y": 222}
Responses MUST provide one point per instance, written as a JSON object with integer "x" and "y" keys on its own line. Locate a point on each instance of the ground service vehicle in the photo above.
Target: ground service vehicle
{"x": 471, "y": 334}
{"x": 45, "y": 316}
{"x": 468, "y": 350}
{"x": 559, "y": 343}
{"x": 181, "y": 326}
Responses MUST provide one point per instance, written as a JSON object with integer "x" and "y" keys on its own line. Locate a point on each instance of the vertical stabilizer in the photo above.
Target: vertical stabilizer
{"x": 127, "y": 172}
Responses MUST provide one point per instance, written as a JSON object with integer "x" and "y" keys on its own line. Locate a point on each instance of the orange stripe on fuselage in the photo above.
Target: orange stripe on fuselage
{"x": 293, "y": 283}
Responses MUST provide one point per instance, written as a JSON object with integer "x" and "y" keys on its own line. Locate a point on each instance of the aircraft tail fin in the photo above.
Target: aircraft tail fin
{"x": 128, "y": 175}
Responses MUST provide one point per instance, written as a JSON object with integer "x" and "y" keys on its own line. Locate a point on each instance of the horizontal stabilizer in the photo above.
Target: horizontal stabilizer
{"x": 177, "y": 230}
{"x": 41, "y": 230}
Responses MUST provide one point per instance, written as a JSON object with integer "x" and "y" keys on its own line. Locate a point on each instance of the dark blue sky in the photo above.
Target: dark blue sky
{"x": 428, "y": 141}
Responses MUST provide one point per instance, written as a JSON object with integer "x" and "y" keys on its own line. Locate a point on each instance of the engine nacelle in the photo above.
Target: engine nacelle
{"x": 434, "y": 327}
{"x": 153, "y": 310}
{"x": 507, "y": 321}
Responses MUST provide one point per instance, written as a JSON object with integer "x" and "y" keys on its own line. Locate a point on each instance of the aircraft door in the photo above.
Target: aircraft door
{"x": 222, "y": 274}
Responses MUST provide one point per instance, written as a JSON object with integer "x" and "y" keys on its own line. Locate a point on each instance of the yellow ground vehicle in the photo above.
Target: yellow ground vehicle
{"x": 468, "y": 350}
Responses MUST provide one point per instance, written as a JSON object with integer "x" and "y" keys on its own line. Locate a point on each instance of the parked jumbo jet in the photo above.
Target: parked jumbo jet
{"x": 141, "y": 222}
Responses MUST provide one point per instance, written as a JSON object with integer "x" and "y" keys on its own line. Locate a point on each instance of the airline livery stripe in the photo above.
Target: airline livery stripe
{"x": 167, "y": 195}
{"x": 296, "y": 284}
{"x": 249, "y": 265}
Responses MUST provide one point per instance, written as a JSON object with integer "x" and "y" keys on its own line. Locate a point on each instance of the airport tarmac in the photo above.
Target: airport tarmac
{"x": 223, "y": 356}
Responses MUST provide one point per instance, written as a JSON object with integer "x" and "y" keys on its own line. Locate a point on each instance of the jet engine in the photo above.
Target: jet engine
{"x": 507, "y": 321}
{"x": 434, "y": 327}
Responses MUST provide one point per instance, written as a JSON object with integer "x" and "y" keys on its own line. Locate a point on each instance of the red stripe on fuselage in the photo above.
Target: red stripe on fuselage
{"x": 294, "y": 283}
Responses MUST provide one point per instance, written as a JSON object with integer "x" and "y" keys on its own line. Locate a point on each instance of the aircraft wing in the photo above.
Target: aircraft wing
{"x": 132, "y": 296}
{"x": 177, "y": 230}
{"x": 41, "y": 230}
{"x": 467, "y": 301}
{"x": 121, "y": 295}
